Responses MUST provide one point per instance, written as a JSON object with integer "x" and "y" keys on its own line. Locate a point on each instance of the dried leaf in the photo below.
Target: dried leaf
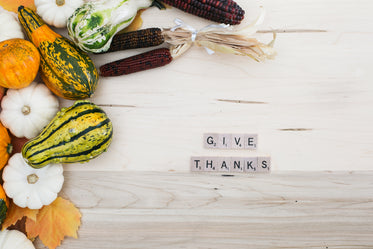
{"x": 54, "y": 222}
{"x": 16, "y": 213}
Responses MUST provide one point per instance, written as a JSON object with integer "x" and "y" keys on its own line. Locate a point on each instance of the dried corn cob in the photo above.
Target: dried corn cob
{"x": 137, "y": 39}
{"x": 213, "y": 5}
{"x": 222, "y": 11}
{"x": 152, "y": 59}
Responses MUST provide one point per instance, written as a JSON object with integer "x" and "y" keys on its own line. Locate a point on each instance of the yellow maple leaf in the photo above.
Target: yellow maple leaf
{"x": 16, "y": 213}
{"x": 53, "y": 222}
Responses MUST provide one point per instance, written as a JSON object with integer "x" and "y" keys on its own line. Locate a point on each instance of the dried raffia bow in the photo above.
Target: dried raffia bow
{"x": 214, "y": 38}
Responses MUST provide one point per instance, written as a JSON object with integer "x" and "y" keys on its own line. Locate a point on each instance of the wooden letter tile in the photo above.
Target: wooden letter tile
{"x": 196, "y": 163}
{"x": 210, "y": 164}
{"x": 251, "y": 164}
{"x": 238, "y": 141}
{"x": 224, "y": 164}
{"x": 237, "y": 164}
{"x": 264, "y": 164}
{"x": 251, "y": 141}
{"x": 225, "y": 141}
{"x": 210, "y": 140}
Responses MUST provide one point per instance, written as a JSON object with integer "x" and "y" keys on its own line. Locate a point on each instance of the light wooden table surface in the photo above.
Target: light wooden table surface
{"x": 311, "y": 108}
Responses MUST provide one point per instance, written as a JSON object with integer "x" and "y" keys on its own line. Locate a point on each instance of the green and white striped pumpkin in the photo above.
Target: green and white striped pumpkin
{"x": 93, "y": 25}
{"x": 76, "y": 134}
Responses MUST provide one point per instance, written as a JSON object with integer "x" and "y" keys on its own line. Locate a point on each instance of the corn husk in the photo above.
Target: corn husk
{"x": 220, "y": 38}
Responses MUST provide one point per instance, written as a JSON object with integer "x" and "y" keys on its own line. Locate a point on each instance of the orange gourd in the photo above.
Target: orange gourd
{"x": 5, "y": 146}
{"x": 19, "y": 63}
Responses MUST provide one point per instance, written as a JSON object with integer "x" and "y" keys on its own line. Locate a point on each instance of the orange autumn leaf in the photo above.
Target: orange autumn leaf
{"x": 53, "y": 222}
{"x": 12, "y": 5}
{"x": 16, "y": 213}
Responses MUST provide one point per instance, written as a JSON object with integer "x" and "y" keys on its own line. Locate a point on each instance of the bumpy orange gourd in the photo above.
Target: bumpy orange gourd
{"x": 5, "y": 146}
{"x": 19, "y": 63}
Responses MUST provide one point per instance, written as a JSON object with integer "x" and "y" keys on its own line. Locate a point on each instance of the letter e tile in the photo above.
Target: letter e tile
{"x": 251, "y": 141}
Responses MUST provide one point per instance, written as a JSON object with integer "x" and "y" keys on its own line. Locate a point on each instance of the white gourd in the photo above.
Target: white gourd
{"x": 12, "y": 29}
{"x": 30, "y": 187}
{"x": 13, "y": 239}
{"x": 56, "y": 12}
{"x": 26, "y": 111}
{"x": 93, "y": 25}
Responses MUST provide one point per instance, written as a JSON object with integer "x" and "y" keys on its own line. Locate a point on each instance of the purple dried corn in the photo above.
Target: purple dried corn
{"x": 142, "y": 38}
{"x": 221, "y": 11}
{"x": 152, "y": 59}
{"x": 213, "y": 5}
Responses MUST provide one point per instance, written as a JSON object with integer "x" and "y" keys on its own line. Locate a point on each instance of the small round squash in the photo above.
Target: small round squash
{"x": 26, "y": 111}
{"x": 10, "y": 239}
{"x": 13, "y": 28}
{"x": 5, "y": 146}
{"x": 19, "y": 63}
{"x": 56, "y": 12}
{"x": 29, "y": 187}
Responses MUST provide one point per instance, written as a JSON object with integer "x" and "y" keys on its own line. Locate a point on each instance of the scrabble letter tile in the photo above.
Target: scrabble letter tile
{"x": 251, "y": 164}
{"x": 251, "y": 141}
{"x": 210, "y": 140}
{"x": 210, "y": 164}
{"x": 224, "y": 164}
{"x": 237, "y": 164}
{"x": 264, "y": 164}
{"x": 225, "y": 141}
{"x": 196, "y": 163}
{"x": 238, "y": 141}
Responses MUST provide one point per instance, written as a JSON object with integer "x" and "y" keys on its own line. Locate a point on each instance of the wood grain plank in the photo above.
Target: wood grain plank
{"x": 180, "y": 210}
{"x": 308, "y": 111}
{"x": 330, "y": 15}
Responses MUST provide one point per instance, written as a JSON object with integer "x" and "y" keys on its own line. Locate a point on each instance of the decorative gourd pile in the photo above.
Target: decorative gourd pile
{"x": 33, "y": 176}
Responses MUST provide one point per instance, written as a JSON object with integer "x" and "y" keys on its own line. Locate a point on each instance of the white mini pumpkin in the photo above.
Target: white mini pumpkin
{"x": 26, "y": 111}
{"x": 13, "y": 239}
{"x": 10, "y": 27}
{"x": 29, "y": 187}
{"x": 56, "y": 12}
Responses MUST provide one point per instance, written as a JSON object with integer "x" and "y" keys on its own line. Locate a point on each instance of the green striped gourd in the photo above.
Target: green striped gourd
{"x": 76, "y": 134}
{"x": 65, "y": 69}
{"x": 93, "y": 25}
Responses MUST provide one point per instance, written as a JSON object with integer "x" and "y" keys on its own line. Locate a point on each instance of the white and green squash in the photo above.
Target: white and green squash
{"x": 93, "y": 25}
{"x": 76, "y": 134}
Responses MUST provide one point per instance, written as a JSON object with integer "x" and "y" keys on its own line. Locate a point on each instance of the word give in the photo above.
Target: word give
{"x": 230, "y": 141}
{"x": 231, "y": 164}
